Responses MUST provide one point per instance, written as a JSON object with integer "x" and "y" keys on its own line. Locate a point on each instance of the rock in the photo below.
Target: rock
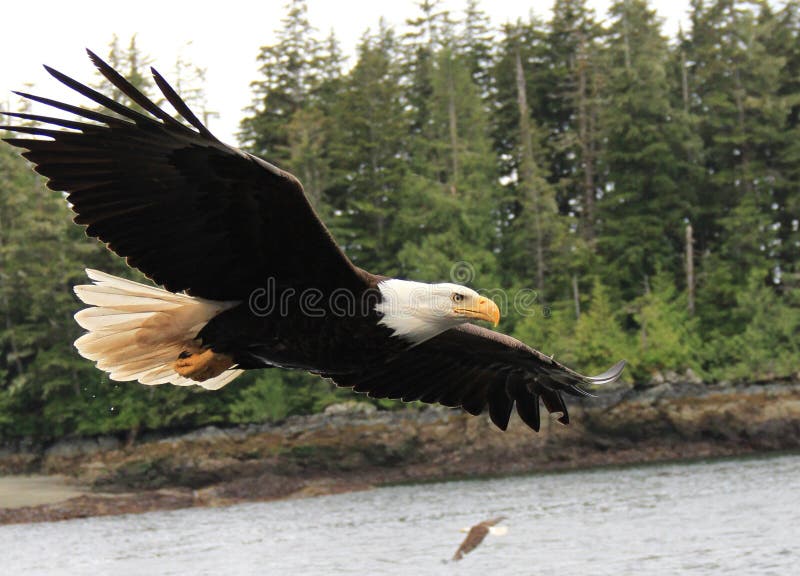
{"x": 656, "y": 379}
{"x": 692, "y": 378}
{"x": 107, "y": 443}
{"x": 350, "y": 407}
{"x": 665, "y": 389}
{"x": 73, "y": 447}
{"x": 206, "y": 433}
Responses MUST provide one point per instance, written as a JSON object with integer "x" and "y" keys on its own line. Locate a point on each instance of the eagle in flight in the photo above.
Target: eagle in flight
{"x": 477, "y": 533}
{"x": 250, "y": 276}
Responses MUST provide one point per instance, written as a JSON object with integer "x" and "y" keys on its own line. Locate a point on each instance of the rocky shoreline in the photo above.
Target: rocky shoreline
{"x": 354, "y": 447}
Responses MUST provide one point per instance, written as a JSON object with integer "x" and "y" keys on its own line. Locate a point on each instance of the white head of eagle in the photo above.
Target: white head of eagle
{"x": 417, "y": 311}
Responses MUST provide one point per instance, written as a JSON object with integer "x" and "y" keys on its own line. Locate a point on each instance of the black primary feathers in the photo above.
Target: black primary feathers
{"x": 181, "y": 206}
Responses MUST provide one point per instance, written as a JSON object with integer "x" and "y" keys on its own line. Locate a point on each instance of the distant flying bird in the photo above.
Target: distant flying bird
{"x": 251, "y": 276}
{"x": 477, "y": 533}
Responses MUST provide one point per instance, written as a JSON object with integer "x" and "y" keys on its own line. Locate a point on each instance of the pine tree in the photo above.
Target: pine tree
{"x": 535, "y": 237}
{"x": 290, "y": 74}
{"x": 457, "y": 187}
{"x": 667, "y": 335}
{"x": 38, "y": 270}
{"x": 572, "y": 64}
{"x": 645, "y": 204}
{"x": 189, "y": 81}
{"x": 598, "y": 334}
{"x": 735, "y": 80}
{"x": 475, "y": 43}
{"x": 781, "y": 37}
{"x": 369, "y": 157}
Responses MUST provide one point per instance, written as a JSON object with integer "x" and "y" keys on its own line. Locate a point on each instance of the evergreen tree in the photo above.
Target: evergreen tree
{"x": 781, "y": 37}
{"x": 598, "y": 334}
{"x": 475, "y": 43}
{"x": 571, "y": 110}
{"x": 645, "y": 203}
{"x": 768, "y": 346}
{"x": 368, "y": 153}
{"x": 735, "y": 79}
{"x": 458, "y": 186}
{"x": 535, "y": 237}
{"x": 290, "y": 74}
{"x": 667, "y": 335}
{"x": 189, "y": 81}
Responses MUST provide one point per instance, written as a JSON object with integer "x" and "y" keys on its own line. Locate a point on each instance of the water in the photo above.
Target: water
{"x": 719, "y": 517}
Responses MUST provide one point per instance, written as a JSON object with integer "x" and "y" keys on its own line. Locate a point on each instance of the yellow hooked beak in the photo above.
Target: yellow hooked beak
{"x": 482, "y": 309}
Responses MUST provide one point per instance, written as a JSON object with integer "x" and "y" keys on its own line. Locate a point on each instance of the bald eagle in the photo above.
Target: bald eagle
{"x": 476, "y": 535}
{"x": 251, "y": 278}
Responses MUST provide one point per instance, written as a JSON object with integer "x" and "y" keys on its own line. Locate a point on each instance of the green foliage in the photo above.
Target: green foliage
{"x": 767, "y": 345}
{"x": 548, "y": 329}
{"x": 598, "y": 336}
{"x": 276, "y": 394}
{"x": 667, "y": 338}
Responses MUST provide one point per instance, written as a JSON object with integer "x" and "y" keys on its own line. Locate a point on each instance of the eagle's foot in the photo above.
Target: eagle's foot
{"x": 199, "y": 365}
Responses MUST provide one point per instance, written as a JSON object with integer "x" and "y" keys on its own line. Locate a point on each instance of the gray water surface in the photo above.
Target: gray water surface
{"x": 719, "y": 517}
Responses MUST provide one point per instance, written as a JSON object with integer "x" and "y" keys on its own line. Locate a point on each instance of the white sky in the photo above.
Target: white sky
{"x": 225, "y": 38}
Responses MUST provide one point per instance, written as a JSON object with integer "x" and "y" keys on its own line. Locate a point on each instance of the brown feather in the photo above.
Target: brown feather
{"x": 475, "y": 537}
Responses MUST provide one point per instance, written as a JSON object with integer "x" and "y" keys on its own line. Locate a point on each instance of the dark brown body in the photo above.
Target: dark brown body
{"x": 310, "y": 330}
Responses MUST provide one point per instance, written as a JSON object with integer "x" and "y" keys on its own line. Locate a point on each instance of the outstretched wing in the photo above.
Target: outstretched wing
{"x": 190, "y": 212}
{"x": 474, "y": 537}
{"x": 473, "y": 368}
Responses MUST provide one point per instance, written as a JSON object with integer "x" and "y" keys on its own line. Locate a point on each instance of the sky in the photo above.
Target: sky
{"x": 224, "y": 40}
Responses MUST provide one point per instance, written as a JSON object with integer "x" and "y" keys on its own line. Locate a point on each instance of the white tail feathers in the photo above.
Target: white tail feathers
{"x": 136, "y": 332}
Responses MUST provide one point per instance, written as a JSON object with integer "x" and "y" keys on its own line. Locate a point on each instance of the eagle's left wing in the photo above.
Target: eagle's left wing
{"x": 193, "y": 214}
{"x": 473, "y": 367}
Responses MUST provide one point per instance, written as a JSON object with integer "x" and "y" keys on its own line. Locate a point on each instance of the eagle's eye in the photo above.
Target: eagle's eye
{"x": 456, "y": 297}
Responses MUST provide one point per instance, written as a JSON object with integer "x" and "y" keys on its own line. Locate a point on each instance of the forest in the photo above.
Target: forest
{"x": 621, "y": 193}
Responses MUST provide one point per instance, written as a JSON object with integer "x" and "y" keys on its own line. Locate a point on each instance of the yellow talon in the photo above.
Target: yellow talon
{"x": 202, "y": 365}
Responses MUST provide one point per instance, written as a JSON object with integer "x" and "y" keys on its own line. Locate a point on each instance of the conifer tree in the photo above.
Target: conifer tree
{"x": 289, "y": 75}
{"x": 572, "y": 64}
{"x": 598, "y": 334}
{"x": 536, "y": 238}
{"x": 369, "y": 156}
{"x": 735, "y": 80}
{"x": 645, "y": 204}
{"x": 667, "y": 338}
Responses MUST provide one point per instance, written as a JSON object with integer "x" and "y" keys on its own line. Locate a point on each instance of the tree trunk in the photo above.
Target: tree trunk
{"x": 451, "y": 110}
{"x": 585, "y": 136}
{"x": 576, "y": 295}
{"x": 684, "y": 83}
{"x": 527, "y": 171}
{"x": 690, "y": 269}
